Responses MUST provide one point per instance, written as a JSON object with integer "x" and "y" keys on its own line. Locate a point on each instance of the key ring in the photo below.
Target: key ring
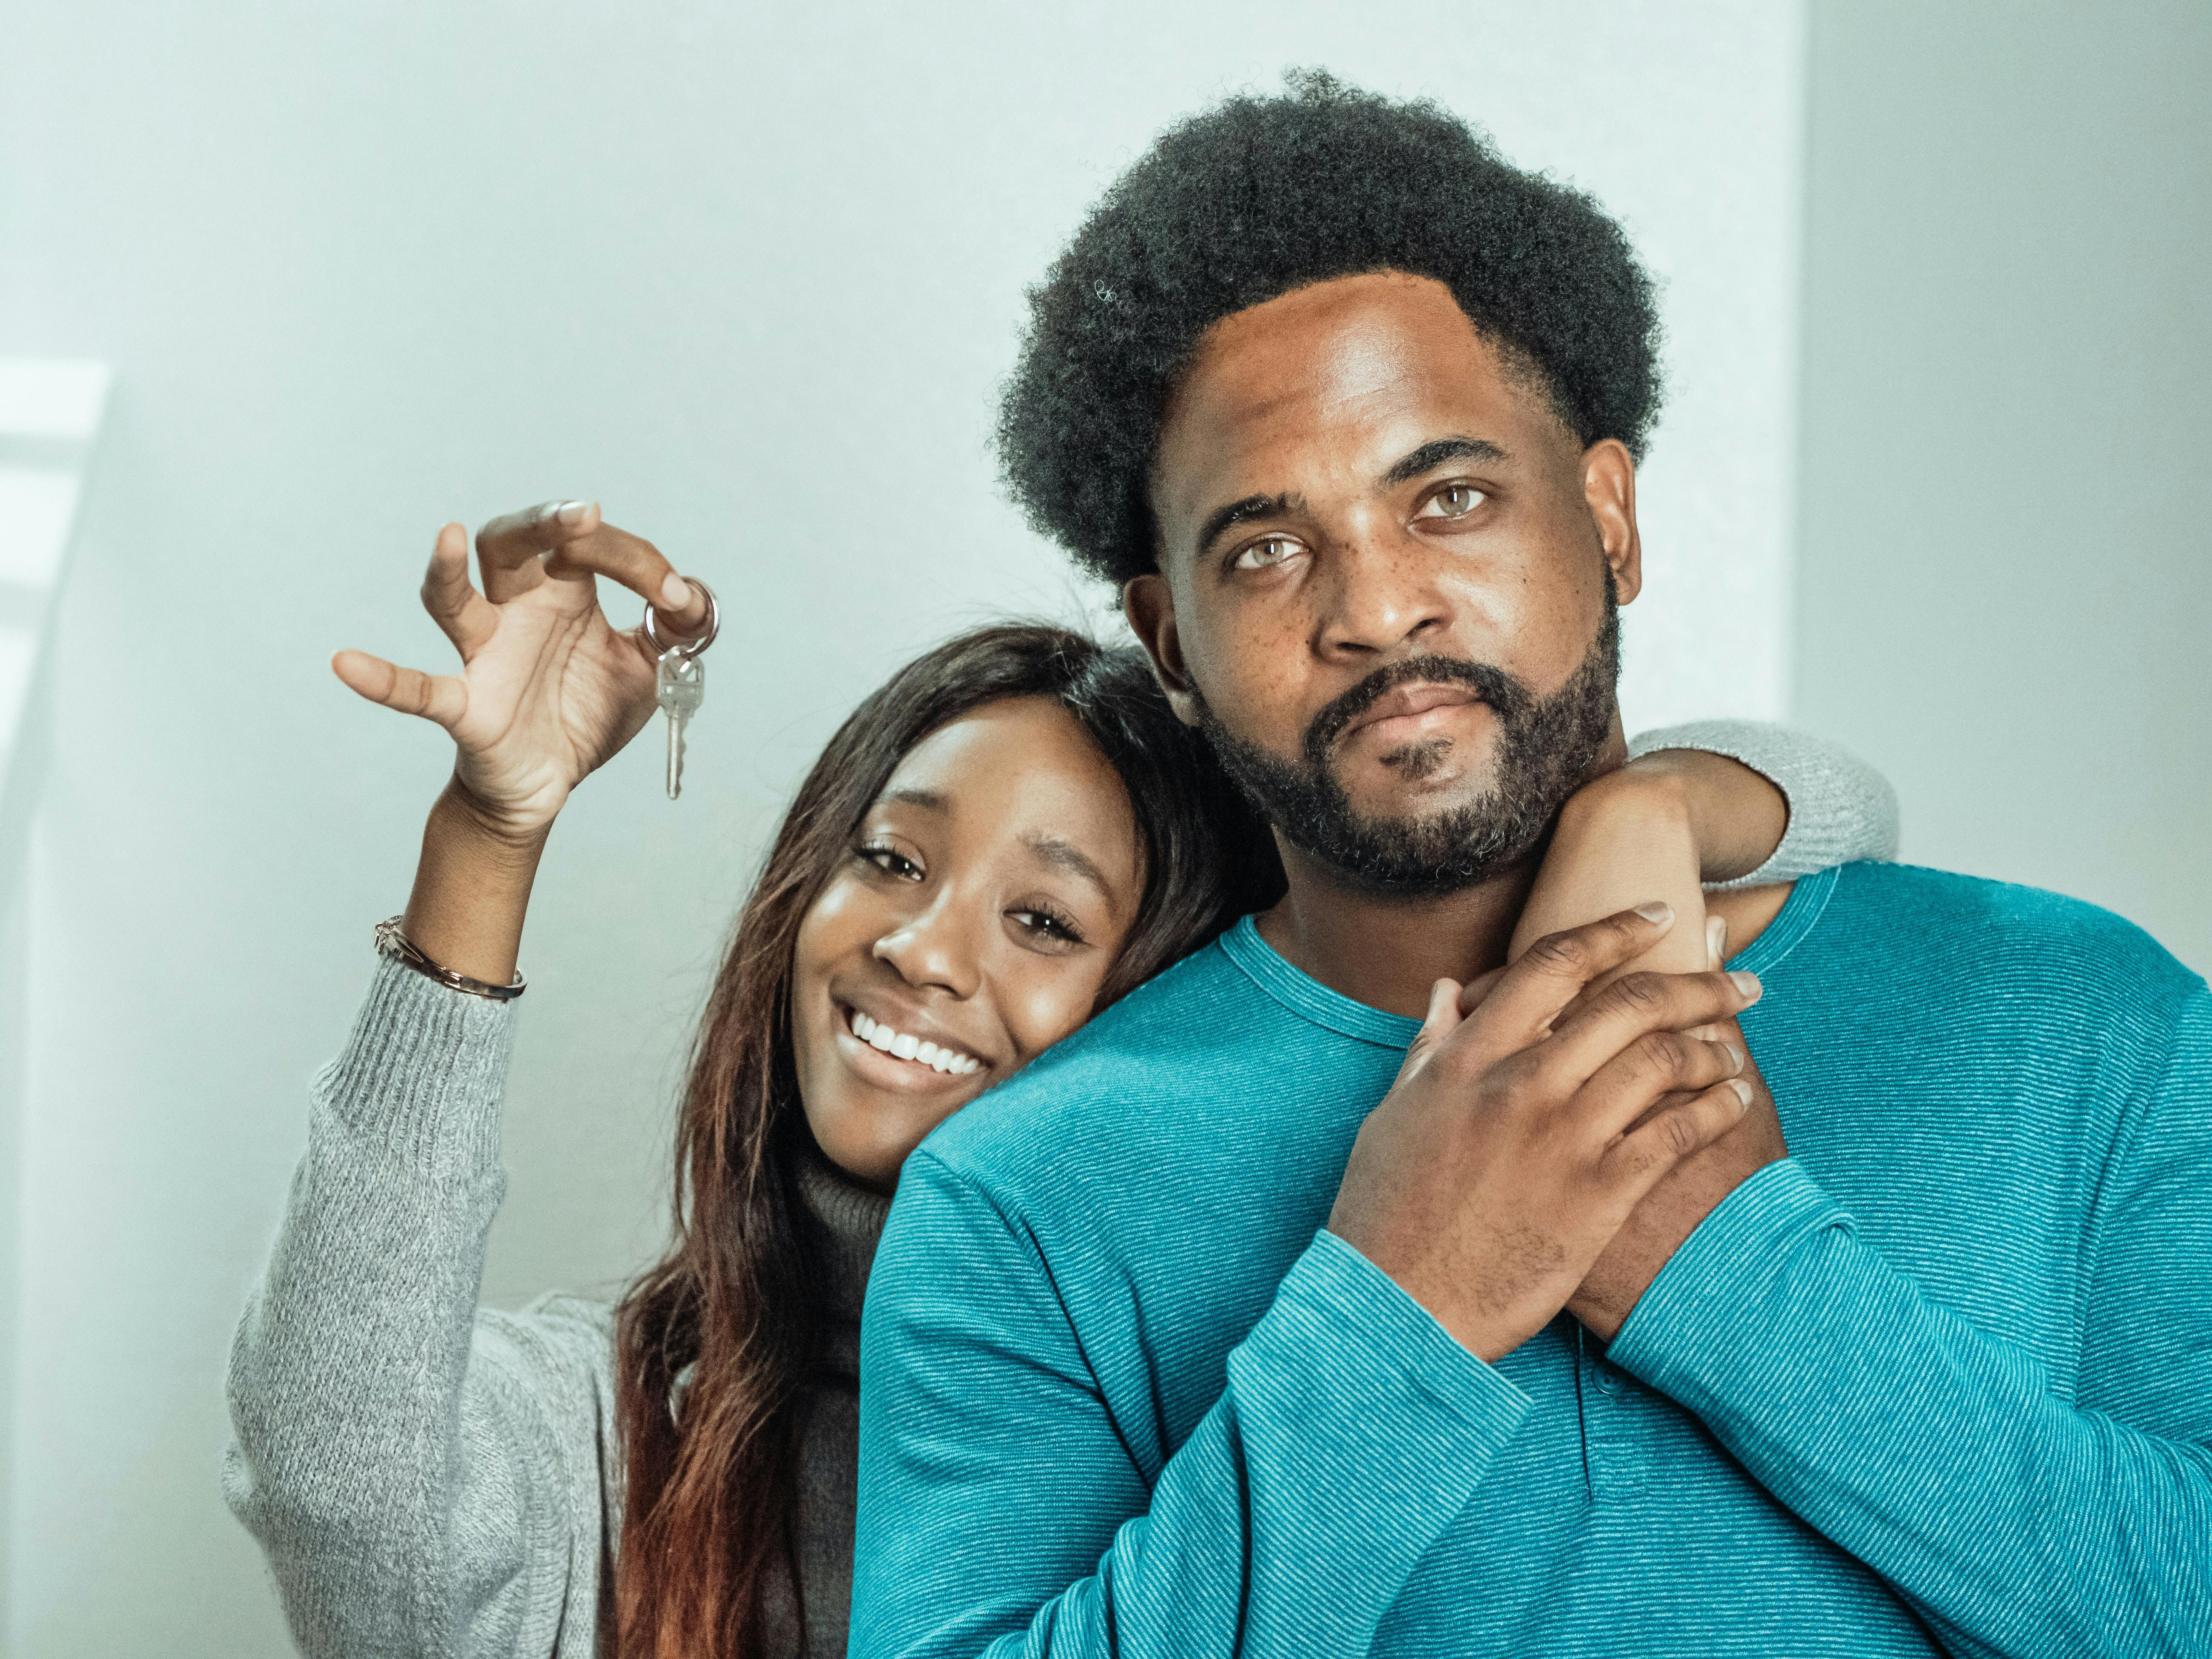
{"x": 688, "y": 652}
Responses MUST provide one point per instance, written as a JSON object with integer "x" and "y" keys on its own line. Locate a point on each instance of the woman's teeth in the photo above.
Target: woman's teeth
{"x": 877, "y": 1035}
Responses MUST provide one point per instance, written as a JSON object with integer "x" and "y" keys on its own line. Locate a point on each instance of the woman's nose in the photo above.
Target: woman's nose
{"x": 936, "y": 946}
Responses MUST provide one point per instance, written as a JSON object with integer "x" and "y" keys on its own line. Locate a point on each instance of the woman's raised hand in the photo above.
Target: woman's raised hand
{"x": 548, "y": 690}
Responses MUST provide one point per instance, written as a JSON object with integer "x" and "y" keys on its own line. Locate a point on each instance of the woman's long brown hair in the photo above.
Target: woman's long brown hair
{"x": 712, "y": 1483}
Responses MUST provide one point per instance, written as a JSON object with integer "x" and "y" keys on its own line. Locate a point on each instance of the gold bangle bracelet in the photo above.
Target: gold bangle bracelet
{"x": 391, "y": 942}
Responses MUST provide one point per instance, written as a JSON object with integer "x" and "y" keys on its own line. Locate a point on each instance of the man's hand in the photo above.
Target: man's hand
{"x": 1518, "y": 1138}
{"x": 1684, "y": 1197}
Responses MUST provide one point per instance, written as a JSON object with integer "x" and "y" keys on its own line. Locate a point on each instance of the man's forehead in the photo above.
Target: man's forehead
{"x": 1348, "y": 373}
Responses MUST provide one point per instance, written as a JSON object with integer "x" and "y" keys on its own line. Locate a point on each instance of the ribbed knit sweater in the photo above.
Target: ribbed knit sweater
{"x": 429, "y": 1477}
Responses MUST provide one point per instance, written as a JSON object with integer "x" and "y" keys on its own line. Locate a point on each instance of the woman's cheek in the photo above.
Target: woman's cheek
{"x": 1052, "y": 1004}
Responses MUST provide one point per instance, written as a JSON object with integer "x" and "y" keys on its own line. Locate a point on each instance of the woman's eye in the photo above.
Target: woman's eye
{"x": 1272, "y": 551}
{"x": 1455, "y": 501}
{"x": 1046, "y": 927}
{"x": 892, "y": 862}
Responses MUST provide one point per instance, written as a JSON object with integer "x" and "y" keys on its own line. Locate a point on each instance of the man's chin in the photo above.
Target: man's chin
{"x": 1407, "y": 803}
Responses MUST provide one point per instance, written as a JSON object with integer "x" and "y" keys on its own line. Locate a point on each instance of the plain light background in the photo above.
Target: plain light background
{"x": 751, "y": 278}
{"x": 2007, "y": 385}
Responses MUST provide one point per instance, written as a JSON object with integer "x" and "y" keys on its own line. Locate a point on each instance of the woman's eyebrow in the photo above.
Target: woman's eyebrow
{"x": 1064, "y": 854}
{"x": 928, "y": 800}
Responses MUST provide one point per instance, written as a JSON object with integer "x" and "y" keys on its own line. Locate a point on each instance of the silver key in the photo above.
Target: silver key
{"x": 679, "y": 687}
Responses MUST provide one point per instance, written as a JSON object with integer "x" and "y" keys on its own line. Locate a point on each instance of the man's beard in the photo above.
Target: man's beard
{"x": 1546, "y": 749}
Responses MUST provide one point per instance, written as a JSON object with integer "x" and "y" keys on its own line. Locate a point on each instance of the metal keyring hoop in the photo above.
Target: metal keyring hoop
{"x": 714, "y": 625}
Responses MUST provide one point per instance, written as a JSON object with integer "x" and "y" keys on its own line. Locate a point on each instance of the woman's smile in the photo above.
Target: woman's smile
{"x": 902, "y": 1051}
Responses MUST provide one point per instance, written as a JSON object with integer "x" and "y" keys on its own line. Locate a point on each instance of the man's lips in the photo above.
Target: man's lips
{"x": 1397, "y": 712}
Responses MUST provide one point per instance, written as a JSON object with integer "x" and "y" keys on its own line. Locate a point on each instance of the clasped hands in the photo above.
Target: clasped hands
{"x": 1554, "y": 1136}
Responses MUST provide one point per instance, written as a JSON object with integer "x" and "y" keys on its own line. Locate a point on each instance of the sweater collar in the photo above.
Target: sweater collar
{"x": 851, "y": 1217}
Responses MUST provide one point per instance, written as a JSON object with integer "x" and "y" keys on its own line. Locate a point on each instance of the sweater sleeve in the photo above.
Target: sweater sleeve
{"x": 423, "y": 1478}
{"x": 2019, "y": 1516}
{"x": 1841, "y": 810}
{"x": 1001, "y": 1512}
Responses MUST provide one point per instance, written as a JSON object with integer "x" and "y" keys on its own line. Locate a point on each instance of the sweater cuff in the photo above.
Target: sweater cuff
{"x": 1712, "y": 1301}
{"x": 1841, "y": 810}
{"x": 1390, "y": 1370}
{"x": 422, "y": 1074}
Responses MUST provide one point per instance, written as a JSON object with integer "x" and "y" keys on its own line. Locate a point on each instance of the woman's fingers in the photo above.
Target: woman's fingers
{"x": 463, "y": 614}
{"x": 639, "y": 566}
{"x": 440, "y": 697}
{"x": 510, "y": 546}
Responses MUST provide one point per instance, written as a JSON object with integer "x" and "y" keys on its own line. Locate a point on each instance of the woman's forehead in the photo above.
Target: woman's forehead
{"x": 1020, "y": 766}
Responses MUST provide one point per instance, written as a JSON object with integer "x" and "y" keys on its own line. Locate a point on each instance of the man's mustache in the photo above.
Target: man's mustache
{"x": 1508, "y": 697}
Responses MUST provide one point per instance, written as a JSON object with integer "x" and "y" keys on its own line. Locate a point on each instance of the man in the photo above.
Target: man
{"x": 1181, "y": 1344}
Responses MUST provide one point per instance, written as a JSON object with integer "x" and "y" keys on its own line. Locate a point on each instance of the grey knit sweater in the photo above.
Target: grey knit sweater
{"x": 431, "y": 1478}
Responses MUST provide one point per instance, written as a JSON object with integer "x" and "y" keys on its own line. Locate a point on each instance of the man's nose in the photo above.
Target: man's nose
{"x": 936, "y": 946}
{"x": 1379, "y": 594}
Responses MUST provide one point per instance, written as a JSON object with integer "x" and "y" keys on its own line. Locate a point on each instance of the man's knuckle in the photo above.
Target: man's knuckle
{"x": 1564, "y": 954}
{"x": 1679, "y": 1133}
{"x": 1662, "y": 1055}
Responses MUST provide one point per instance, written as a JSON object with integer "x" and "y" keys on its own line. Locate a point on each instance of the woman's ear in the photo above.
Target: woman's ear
{"x": 1150, "y": 607}
{"x": 1609, "y": 491}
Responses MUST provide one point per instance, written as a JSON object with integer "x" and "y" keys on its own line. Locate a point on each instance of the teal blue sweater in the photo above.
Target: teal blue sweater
{"x": 1938, "y": 1382}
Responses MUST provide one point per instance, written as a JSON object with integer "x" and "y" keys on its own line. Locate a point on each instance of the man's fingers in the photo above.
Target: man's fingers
{"x": 1639, "y": 1158}
{"x": 1553, "y": 971}
{"x": 1477, "y": 990}
{"x": 463, "y": 614}
{"x": 639, "y": 566}
{"x": 1442, "y": 1018}
{"x": 439, "y": 697}
{"x": 1606, "y": 1023}
{"x": 1656, "y": 1065}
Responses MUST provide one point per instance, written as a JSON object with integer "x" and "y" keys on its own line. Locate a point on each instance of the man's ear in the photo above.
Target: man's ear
{"x": 1609, "y": 488}
{"x": 1150, "y": 607}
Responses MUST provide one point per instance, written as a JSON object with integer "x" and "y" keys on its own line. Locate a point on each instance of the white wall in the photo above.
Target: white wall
{"x": 750, "y": 278}
{"x": 2007, "y": 395}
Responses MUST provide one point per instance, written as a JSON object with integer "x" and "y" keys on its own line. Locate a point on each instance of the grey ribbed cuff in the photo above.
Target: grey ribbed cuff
{"x": 423, "y": 1073}
{"x": 1841, "y": 810}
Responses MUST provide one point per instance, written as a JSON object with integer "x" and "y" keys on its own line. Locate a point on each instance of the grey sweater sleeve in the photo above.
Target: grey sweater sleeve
{"x": 426, "y": 1479}
{"x": 1841, "y": 810}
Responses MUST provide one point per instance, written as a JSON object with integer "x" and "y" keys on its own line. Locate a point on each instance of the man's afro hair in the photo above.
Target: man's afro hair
{"x": 1263, "y": 195}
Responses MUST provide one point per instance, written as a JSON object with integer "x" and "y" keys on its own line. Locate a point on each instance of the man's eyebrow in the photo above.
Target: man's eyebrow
{"x": 928, "y": 800}
{"x": 1066, "y": 855}
{"x": 1252, "y": 507}
{"x": 1432, "y": 455}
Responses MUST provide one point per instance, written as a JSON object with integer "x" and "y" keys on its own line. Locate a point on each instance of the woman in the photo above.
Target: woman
{"x": 1008, "y": 835}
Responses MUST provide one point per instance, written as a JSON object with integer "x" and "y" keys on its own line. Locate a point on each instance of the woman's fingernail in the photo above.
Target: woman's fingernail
{"x": 1742, "y": 1090}
{"x": 1746, "y": 983}
{"x": 1657, "y": 912}
{"x": 1735, "y": 1058}
{"x": 676, "y": 592}
{"x": 572, "y": 513}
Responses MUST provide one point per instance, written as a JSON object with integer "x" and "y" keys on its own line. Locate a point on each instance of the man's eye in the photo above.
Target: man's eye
{"x": 1455, "y": 501}
{"x": 1272, "y": 550}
